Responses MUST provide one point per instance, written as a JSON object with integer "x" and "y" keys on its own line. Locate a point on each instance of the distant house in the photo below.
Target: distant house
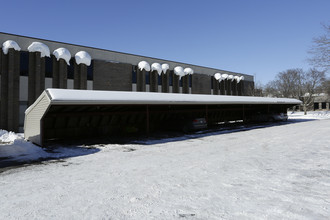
{"x": 321, "y": 102}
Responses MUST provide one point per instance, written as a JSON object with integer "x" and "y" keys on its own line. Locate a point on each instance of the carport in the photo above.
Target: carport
{"x": 65, "y": 114}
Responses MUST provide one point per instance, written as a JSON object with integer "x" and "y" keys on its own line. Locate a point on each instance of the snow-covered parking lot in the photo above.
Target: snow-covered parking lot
{"x": 271, "y": 172}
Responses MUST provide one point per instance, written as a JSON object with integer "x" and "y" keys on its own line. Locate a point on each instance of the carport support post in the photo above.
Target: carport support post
{"x": 206, "y": 114}
{"x": 243, "y": 113}
{"x": 147, "y": 120}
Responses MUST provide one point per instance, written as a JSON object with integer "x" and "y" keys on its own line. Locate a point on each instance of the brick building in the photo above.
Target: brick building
{"x": 24, "y": 74}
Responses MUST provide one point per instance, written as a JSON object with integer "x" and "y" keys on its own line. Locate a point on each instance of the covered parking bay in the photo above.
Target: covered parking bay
{"x": 65, "y": 114}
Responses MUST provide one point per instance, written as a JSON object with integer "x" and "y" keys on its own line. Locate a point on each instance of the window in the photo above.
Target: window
{"x": 24, "y": 63}
{"x": 159, "y": 79}
{"x": 134, "y": 74}
{"x": 71, "y": 69}
{"x": 49, "y": 66}
{"x": 170, "y": 78}
{"x": 147, "y": 77}
{"x": 90, "y": 71}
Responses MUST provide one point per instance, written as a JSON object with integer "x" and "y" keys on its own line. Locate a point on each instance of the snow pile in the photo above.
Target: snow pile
{"x": 230, "y": 77}
{"x": 237, "y": 78}
{"x": 82, "y": 57}
{"x": 217, "y": 76}
{"x": 62, "y": 53}
{"x": 188, "y": 71}
{"x": 165, "y": 67}
{"x": 178, "y": 70}
{"x": 39, "y": 47}
{"x": 144, "y": 65}
{"x": 157, "y": 67}
{"x": 7, "y": 137}
{"x": 10, "y": 44}
{"x": 13, "y": 148}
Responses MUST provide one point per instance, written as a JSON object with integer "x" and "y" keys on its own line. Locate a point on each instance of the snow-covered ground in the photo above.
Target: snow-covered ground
{"x": 274, "y": 172}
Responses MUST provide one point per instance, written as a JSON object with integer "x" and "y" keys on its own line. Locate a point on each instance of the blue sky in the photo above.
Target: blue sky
{"x": 256, "y": 37}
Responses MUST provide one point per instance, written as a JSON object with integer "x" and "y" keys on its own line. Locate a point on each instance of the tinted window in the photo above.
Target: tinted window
{"x": 90, "y": 71}
{"x": 49, "y": 66}
{"x": 134, "y": 74}
{"x": 24, "y": 63}
{"x": 71, "y": 69}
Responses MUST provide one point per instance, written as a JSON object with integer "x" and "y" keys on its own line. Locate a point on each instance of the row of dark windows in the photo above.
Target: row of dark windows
{"x": 170, "y": 79}
{"x": 24, "y": 66}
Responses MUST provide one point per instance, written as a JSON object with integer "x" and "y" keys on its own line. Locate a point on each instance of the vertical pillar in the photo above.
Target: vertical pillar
{"x": 176, "y": 83}
{"x": 165, "y": 82}
{"x": 141, "y": 80}
{"x": 4, "y": 91}
{"x": 327, "y": 106}
{"x": 10, "y": 67}
{"x": 80, "y": 76}
{"x": 215, "y": 83}
{"x": 185, "y": 84}
{"x": 222, "y": 87}
{"x": 60, "y": 73}
{"x": 36, "y": 79}
{"x": 228, "y": 87}
{"x": 234, "y": 87}
{"x": 239, "y": 88}
{"x": 153, "y": 81}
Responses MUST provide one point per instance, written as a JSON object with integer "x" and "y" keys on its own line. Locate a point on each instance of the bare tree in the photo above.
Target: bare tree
{"x": 312, "y": 84}
{"x": 326, "y": 86}
{"x": 296, "y": 83}
{"x": 288, "y": 83}
{"x": 320, "y": 50}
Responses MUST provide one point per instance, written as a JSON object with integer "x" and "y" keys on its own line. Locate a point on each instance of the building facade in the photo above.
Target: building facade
{"x": 26, "y": 71}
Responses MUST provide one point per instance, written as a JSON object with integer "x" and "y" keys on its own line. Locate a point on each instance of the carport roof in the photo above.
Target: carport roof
{"x": 94, "y": 97}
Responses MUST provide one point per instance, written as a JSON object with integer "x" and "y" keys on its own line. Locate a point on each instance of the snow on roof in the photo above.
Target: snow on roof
{"x": 217, "y": 76}
{"x": 224, "y": 76}
{"x": 230, "y": 77}
{"x": 67, "y": 96}
{"x": 242, "y": 77}
{"x": 39, "y": 47}
{"x": 82, "y": 57}
{"x": 144, "y": 65}
{"x": 62, "y": 53}
{"x": 10, "y": 44}
{"x": 165, "y": 67}
{"x": 188, "y": 71}
{"x": 178, "y": 70}
{"x": 237, "y": 78}
{"x": 157, "y": 67}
